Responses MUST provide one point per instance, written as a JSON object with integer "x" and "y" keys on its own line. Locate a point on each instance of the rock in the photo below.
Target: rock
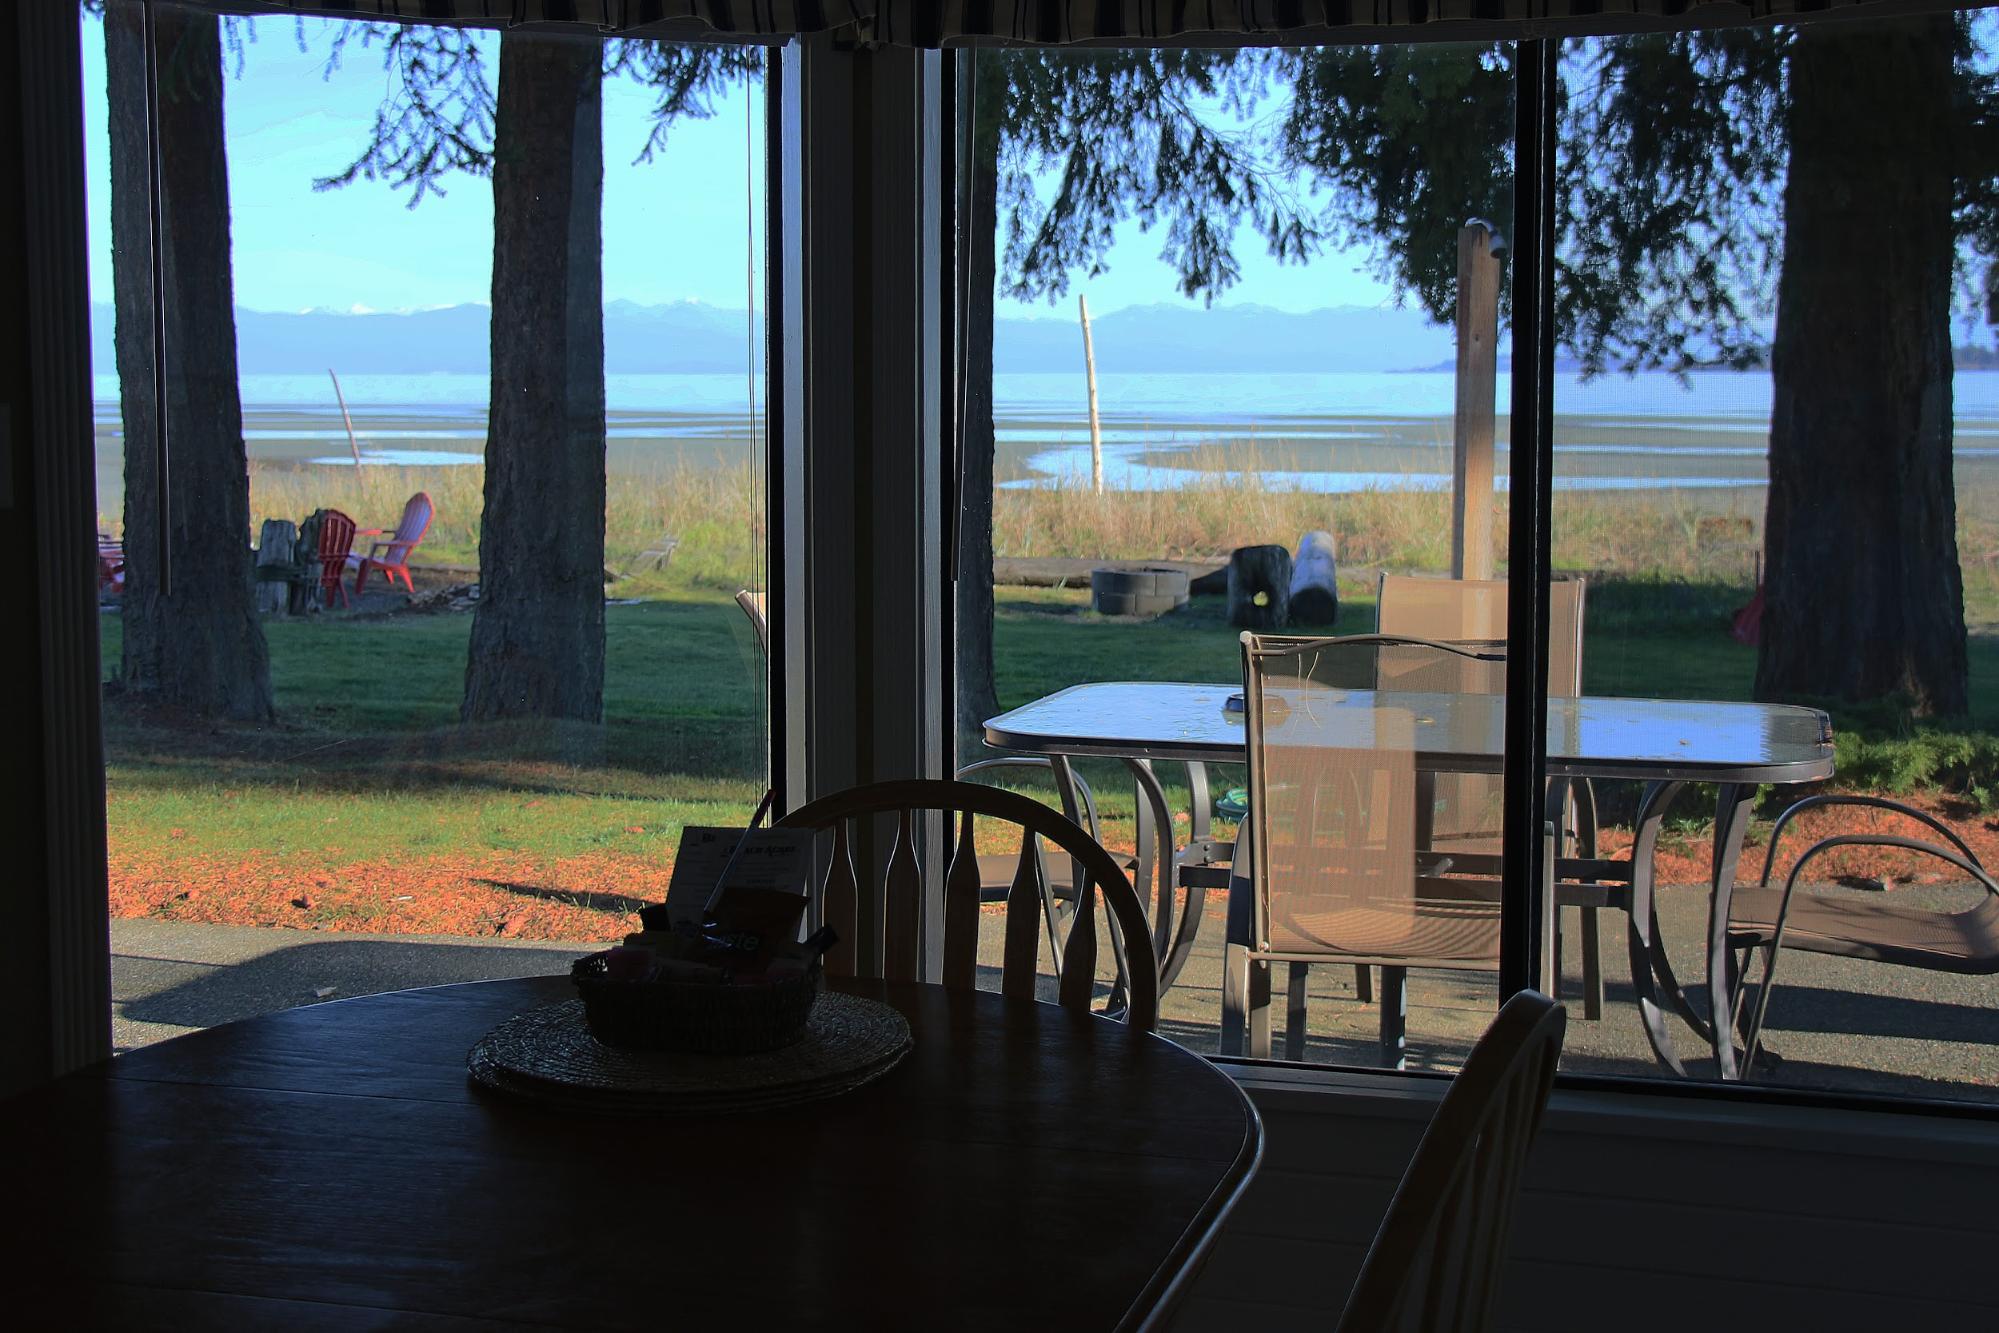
{"x": 1259, "y": 587}
{"x": 1315, "y": 590}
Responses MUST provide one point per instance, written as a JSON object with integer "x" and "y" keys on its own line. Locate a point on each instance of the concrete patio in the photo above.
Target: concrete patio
{"x": 1834, "y": 1023}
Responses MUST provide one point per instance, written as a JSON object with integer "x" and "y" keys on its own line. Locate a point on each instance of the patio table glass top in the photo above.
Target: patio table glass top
{"x": 1660, "y": 739}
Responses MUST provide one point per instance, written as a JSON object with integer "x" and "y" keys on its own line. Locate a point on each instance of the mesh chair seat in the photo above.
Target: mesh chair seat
{"x": 1851, "y": 926}
{"x": 1431, "y": 931}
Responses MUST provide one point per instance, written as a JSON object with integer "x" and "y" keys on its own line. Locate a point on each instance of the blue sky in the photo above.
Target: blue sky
{"x": 672, "y": 228}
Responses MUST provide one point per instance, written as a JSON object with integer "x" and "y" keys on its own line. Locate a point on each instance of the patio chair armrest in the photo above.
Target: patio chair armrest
{"x": 1204, "y": 864}
{"x": 1867, "y": 802}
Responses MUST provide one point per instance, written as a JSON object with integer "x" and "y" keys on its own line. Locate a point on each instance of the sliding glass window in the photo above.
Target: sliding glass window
{"x": 420, "y": 626}
{"x": 1214, "y": 386}
{"x": 1773, "y": 511}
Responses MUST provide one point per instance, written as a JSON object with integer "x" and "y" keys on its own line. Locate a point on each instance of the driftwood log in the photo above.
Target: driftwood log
{"x": 1259, "y": 587}
{"x": 1315, "y": 592}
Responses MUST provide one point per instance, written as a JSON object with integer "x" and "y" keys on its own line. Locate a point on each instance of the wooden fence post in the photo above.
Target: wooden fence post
{"x": 1479, "y": 248}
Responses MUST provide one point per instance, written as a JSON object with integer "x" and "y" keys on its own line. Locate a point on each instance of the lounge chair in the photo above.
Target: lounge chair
{"x": 389, "y": 554}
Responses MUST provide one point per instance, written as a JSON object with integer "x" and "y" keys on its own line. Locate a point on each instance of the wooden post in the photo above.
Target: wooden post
{"x": 275, "y": 551}
{"x": 1479, "y": 249}
{"x": 351, "y": 444}
{"x": 1090, "y": 369}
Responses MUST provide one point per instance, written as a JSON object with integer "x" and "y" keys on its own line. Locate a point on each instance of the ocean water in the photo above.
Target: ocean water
{"x": 1333, "y": 432}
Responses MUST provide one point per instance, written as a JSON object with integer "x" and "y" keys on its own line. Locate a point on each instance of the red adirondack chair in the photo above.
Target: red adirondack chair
{"x": 110, "y": 565}
{"x": 390, "y": 553}
{"x": 336, "y": 547}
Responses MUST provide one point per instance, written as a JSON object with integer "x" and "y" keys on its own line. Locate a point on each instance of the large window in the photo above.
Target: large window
{"x": 1772, "y": 468}
{"x": 1771, "y": 306}
{"x": 1214, "y": 387}
{"x": 463, "y": 470}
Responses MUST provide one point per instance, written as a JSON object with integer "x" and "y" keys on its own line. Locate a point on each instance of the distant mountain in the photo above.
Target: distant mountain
{"x": 688, "y": 337}
{"x": 1182, "y": 338}
{"x": 685, "y": 337}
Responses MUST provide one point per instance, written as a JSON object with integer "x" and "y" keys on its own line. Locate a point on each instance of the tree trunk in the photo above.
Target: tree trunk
{"x": 537, "y": 647}
{"x": 199, "y": 649}
{"x": 977, "y": 697}
{"x": 1864, "y": 594}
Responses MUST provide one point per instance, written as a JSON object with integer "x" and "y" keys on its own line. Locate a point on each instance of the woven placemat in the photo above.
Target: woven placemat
{"x": 548, "y": 1055}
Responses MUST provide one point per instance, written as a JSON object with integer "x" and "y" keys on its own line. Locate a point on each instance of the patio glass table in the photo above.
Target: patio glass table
{"x": 1664, "y": 743}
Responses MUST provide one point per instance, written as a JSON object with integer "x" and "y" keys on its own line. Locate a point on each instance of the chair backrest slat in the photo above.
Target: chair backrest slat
{"x": 902, "y": 901}
{"x": 961, "y": 910}
{"x": 1079, "y": 951}
{"x": 839, "y": 904}
{"x": 1027, "y": 900}
{"x": 1435, "y": 1263}
{"x": 1023, "y": 920}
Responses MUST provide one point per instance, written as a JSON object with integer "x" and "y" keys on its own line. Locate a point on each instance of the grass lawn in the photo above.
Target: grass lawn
{"x": 369, "y": 807}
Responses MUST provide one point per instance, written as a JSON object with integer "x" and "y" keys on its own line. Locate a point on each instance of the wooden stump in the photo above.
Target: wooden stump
{"x": 275, "y": 567}
{"x": 1315, "y": 592}
{"x": 1259, "y": 587}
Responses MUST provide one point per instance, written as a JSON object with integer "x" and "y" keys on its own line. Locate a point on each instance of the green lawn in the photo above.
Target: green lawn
{"x": 369, "y": 761}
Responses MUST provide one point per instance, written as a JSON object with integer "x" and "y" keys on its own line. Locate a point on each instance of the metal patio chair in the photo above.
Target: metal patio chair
{"x": 897, "y": 888}
{"x": 1473, "y": 612}
{"x": 1434, "y": 1264}
{"x": 1342, "y": 867}
{"x": 1846, "y": 926}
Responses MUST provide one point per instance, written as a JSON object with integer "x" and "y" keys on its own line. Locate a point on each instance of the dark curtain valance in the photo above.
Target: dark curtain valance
{"x": 931, "y": 23}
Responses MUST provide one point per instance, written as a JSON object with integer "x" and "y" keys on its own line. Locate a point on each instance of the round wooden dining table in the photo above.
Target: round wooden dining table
{"x": 331, "y": 1166}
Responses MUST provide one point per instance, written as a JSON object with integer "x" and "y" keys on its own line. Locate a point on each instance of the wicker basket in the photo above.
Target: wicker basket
{"x": 710, "y": 1018}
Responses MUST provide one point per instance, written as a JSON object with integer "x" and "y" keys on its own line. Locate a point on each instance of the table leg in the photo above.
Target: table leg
{"x": 1240, "y": 937}
{"x": 1066, "y": 788}
{"x": 1184, "y": 938}
{"x": 1644, "y": 937}
{"x": 1155, "y": 854}
{"x": 1395, "y": 1017}
{"x": 1731, "y": 821}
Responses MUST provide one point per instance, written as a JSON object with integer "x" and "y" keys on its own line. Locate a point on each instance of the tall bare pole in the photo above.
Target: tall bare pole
{"x": 1479, "y": 249}
{"x": 1090, "y": 369}
{"x": 352, "y": 444}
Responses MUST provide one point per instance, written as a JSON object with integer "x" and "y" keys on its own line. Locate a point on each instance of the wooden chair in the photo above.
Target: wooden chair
{"x": 899, "y": 891}
{"x": 336, "y": 543}
{"x": 1473, "y": 612}
{"x": 1434, "y": 1264}
{"x": 1846, "y": 926}
{"x": 390, "y": 553}
{"x": 1342, "y": 867}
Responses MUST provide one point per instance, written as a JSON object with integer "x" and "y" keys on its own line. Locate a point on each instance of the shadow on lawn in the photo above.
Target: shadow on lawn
{"x": 548, "y": 758}
{"x": 293, "y": 975}
{"x": 615, "y": 903}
